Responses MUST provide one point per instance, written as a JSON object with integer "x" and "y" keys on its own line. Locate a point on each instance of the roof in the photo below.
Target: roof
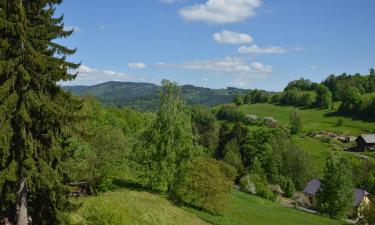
{"x": 359, "y": 194}
{"x": 368, "y": 138}
{"x": 313, "y": 186}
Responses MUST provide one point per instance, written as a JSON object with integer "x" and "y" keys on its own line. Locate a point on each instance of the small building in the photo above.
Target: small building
{"x": 366, "y": 142}
{"x": 361, "y": 197}
{"x": 310, "y": 191}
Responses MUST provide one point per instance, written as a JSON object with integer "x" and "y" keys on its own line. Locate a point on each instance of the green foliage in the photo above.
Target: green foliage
{"x": 257, "y": 96}
{"x": 35, "y": 111}
{"x": 339, "y": 122}
{"x": 301, "y": 84}
{"x": 166, "y": 147}
{"x": 295, "y": 122}
{"x": 230, "y": 113}
{"x": 297, "y": 165}
{"x": 204, "y": 127}
{"x": 205, "y": 186}
{"x": 323, "y": 97}
{"x": 238, "y": 100}
{"x": 144, "y": 97}
{"x": 232, "y": 155}
{"x": 288, "y": 187}
{"x": 351, "y": 101}
{"x": 335, "y": 195}
{"x": 290, "y": 97}
{"x": 305, "y": 100}
{"x": 101, "y": 146}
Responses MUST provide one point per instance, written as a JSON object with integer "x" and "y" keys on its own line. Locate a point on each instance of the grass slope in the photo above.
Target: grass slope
{"x": 244, "y": 209}
{"x": 312, "y": 119}
{"x": 132, "y": 207}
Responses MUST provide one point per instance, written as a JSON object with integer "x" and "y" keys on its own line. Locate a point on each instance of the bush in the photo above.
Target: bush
{"x": 205, "y": 186}
{"x": 255, "y": 184}
{"x": 288, "y": 187}
{"x": 227, "y": 170}
{"x": 246, "y": 185}
{"x": 339, "y": 122}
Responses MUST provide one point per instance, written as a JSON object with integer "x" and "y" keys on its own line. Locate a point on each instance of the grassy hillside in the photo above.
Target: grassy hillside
{"x": 143, "y": 96}
{"x": 313, "y": 119}
{"x": 244, "y": 209}
{"x": 132, "y": 207}
{"x": 142, "y": 208}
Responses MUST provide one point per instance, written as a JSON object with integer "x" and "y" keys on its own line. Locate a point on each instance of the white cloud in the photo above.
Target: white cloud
{"x": 75, "y": 28}
{"x": 221, "y": 11}
{"x": 255, "y": 49}
{"x": 91, "y": 76}
{"x": 313, "y": 67}
{"x": 231, "y": 37}
{"x": 239, "y": 70}
{"x": 138, "y": 65}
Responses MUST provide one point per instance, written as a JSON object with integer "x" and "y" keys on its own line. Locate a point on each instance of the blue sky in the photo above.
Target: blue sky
{"x": 219, "y": 43}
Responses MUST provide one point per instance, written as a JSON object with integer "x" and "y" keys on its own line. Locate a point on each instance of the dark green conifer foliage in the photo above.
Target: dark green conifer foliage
{"x": 33, "y": 109}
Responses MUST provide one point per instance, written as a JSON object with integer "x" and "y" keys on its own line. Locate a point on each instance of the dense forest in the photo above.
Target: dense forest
{"x": 143, "y": 96}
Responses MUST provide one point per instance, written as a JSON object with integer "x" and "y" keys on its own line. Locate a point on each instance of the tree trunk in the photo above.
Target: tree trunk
{"x": 22, "y": 217}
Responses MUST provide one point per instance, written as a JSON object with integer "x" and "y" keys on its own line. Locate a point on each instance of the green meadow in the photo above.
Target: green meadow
{"x": 312, "y": 119}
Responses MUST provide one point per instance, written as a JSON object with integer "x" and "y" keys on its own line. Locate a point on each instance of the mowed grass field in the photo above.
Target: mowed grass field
{"x": 244, "y": 209}
{"x": 312, "y": 119}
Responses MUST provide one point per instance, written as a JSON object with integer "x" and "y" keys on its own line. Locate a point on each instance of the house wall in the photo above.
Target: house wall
{"x": 361, "y": 144}
{"x": 312, "y": 200}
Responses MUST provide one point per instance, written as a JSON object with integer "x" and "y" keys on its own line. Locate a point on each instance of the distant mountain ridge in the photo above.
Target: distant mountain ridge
{"x": 143, "y": 96}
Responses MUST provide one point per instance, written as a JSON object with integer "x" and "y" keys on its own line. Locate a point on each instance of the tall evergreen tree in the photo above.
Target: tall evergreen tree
{"x": 335, "y": 195}
{"x": 166, "y": 148}
{"x": 33, "y": 112}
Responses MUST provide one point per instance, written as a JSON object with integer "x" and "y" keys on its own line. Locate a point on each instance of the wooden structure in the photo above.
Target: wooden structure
{"x": 366, "y": 142}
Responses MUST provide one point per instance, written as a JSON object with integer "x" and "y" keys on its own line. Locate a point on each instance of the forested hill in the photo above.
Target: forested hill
{"x": 143, "y": 96}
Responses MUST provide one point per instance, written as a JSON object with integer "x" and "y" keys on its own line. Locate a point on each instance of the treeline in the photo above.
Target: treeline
{"x": 353, "y": 91}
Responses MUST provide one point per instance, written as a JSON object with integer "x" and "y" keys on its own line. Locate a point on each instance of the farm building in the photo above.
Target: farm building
{"x": 361, "y": 197}
{"x": 366, "y": 142}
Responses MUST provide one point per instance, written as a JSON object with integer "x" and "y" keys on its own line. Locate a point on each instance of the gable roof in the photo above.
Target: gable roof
{"x": 368, "y": 138}
{"x": 313, "y": 186}
{"x": 359, "y": 194}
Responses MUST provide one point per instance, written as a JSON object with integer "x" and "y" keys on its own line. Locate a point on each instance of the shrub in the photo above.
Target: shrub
{"x": 339, "y": 122}
{"x": 205, "y": 186}
{"x": 256, "y": 184}
{"x": 288, "y": 187}
{"x": 227, "y": 170}
{"x": 246, "y": 185}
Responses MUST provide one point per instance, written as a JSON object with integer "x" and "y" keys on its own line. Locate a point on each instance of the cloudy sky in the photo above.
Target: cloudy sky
{"x": 220, "y": 43}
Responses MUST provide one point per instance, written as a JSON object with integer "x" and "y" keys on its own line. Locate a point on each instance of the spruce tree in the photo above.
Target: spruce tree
{"x": 34, "y": 112}
{"x": 166, "y": 147}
